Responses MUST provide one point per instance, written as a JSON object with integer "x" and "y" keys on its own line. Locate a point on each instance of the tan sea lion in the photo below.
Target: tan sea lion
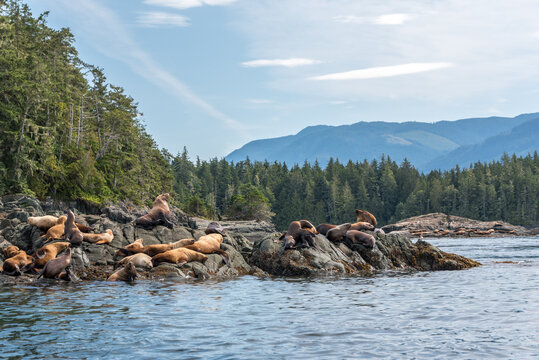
{"x": 305, "y": 224}
{"x": 158, "y": 215}
{"x": 46, "y": 253}
{"x": 337, "y": 233}
{"x": 324, "y": 228}
{"x": 215, "y": 228}
{"x": 18, "y": 260}
{"x": 57, "y": 231}
{"x": 288, "y": 243}
{"x": 179, "y": 256}
{"x": 365, "y": 216}
{"x": 71, "y": 231}
{"x": 362, "y": 225}
{"x": 140, "y": 260}
{"x": 358, "y": 237}
{"x": 57, "y": 267}
{"x": 210, "y": 244}
{"x": 152, "y": 250}
{"x": 10, "y": 251}
{"x": 103, "y": 238}
{"x": 43, "y": 222}
{"x": 127, "y": 273}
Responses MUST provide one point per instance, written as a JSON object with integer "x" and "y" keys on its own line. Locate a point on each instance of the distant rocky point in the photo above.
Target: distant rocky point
{"x": 440, "y": 225}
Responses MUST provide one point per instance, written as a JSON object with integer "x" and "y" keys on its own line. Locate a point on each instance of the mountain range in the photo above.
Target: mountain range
{"x": 428, "y": 146}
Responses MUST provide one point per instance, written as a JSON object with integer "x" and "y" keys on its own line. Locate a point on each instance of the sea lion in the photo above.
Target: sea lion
{"x": 71, "y": 231}
{"x": 305, "y": 224}
{"x": 302, "y": 237}
{"x": 84, "y": 228}
{"x": 362, "y": 225}
{"x": 324, "y": 228}
{"x": 43, "y": 222}
{"x": 46, "y": 253}
{"x": 14, "y": 264}
{"x": 152, "y": 250}
{"x": 337, "y": 233}
{"x": 179, "y": 256}
{"x": 358, "y": 237}
{"x": 127, "y": 273}
{"x": 288, "y": 243}
{"x": 104, "y": 238}
{"x": 158, "y": 215}
{"x": 10, "y": 251}
{"x": 365, "y": 216}
{"x": 56, "y": 232}
{"x": 57, "y": 267}
{"x": 215, "y": 228}
{"x": 140, "y": 260}
{"x": 210, "y": 244}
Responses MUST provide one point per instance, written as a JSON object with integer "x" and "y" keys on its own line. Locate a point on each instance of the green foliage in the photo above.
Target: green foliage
{"x": 506, "y": 189}
{"x": 64, "y": 131}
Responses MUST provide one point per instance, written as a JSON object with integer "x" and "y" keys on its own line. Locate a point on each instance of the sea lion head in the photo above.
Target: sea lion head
{"x": 11, "y": 251}
{"x": 165, "y": 197}
{"x": 134, "y": 246}
{"x": 131, "y": 271}
{"x": 61, "y": 220}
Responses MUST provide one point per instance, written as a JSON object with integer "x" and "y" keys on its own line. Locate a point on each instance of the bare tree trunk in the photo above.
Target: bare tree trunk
{"x": 70, "y": 115}
{"x": 116, "y": 166}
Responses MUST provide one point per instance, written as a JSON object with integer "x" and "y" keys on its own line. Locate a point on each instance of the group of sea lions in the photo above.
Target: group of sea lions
{"x": 52, "y": 260}
{"x": 302, "y": 233}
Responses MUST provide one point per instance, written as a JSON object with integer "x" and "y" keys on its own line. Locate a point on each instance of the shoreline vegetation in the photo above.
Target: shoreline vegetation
{"x": 66, "y": 133}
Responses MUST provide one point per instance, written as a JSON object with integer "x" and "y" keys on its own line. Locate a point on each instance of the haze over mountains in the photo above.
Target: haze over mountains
{"x": 439, "y": 145}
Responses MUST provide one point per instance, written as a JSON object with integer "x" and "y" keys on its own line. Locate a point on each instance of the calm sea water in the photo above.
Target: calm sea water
{"x": 482, "y": 313}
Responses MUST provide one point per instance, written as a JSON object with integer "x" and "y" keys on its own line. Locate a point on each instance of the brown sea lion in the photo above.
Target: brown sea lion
{"x": 210, "y": 244}
{"x": 127, "y": 273}
{"x": 72, "y": 232}
{"x": 46, "y": 253}
{"x": 302, "y": 237}
{"x": 10, "y": 251}
{"x": 358, "y": 237}
{"x": 43, "y": 222}
{"x": 152, "y": 250}
{"x": 15, "y": 263}
{"x": 288, "y": 243}
{"x": 57, "y": 267}
{"x": 305, "y": 224}
{"x": 104, "y": 238}
{"x": 84, "y": 228}
{"x": 57, "y": 231}
{"x": 215, "y": 228}
{"x": 324, "y": 228}
{"x": 365, "y": 216}
{"x": 158, "y": 215}
{"x": 362, "y": 225}
{"x": 179, "y": 256}
{"x": 140, "y": 260}
{"x": 337, "y": 233}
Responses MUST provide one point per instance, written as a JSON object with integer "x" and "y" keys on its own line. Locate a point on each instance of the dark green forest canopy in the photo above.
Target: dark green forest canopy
{"x": 507, "y": 189}
{"x": 66, "y": 133}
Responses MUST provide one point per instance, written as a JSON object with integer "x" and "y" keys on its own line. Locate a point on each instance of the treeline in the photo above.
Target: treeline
{"x": 507, "y": 189}
{"x": 64, "y": 131}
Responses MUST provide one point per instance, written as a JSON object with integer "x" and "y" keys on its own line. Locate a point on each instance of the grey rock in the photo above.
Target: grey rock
{"x": 79, "y": 260}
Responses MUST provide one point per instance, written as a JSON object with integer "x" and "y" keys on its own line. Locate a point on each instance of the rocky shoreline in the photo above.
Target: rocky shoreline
{"x": 253, "y": 247}
{"x": 442, "y": 225}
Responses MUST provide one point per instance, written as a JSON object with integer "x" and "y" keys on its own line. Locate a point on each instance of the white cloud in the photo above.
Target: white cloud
{"x": 536, "y": 34}
{"x": 101, "y": 22}
{"x": 387, "y": 19}
{"x": 186, "y": 4}
{"x": 384, "y": 71}
{"x": 293, "y": 62}
{"x": 156, "y": 19}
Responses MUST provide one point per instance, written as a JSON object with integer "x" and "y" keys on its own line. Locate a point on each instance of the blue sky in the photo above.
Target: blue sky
{"x": 214, "y": 74}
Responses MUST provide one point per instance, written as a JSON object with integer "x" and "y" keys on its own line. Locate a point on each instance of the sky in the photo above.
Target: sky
{"x": 213, "y": 75}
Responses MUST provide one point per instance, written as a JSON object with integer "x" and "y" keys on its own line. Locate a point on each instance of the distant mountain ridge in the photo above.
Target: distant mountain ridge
{"x": 439, "y": 145}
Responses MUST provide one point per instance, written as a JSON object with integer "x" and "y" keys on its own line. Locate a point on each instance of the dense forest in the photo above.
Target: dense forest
{"x": 507, "y": 189}
{"x": 66, "y": 133}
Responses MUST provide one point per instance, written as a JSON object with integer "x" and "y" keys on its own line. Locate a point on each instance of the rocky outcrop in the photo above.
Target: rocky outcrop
{"x": 392, "y": 252}
{"x": 252, "y": 247}
{"x": 439, "y": 224}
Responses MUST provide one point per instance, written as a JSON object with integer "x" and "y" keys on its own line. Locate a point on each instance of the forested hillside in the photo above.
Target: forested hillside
{"x": 507, "y": 189}
{"x": 64, "y": 131}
